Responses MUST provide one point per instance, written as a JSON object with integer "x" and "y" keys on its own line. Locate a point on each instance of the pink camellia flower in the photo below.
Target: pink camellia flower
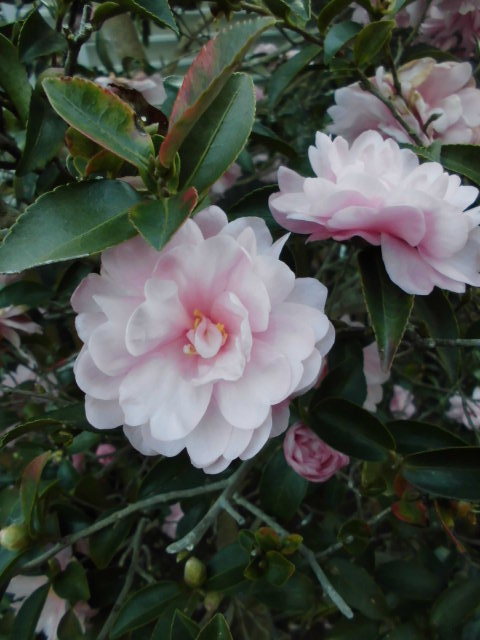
{"x": 169, "y": 526}
{"x": 439, "y": 101}
{"x": 225, "y": 182}
{"x": 375, "y": 377}
{"x": 402, "y": 402}
{"x": 104, "y": 453}
{"x": 379, "y": 192}
{"x": 202, "y": 344}
{"x": 151, "y": 87}
{"x": 310, "y": 456}
{"x": 466, "y": 411}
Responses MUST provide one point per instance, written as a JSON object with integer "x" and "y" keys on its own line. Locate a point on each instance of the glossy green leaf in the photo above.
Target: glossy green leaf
{"x": 225, "y": 569}
{"x": 279, "y": 568}
{"x": 72, "y": 221}
{"x": 71, "y": 584}
{"x": 456, "y": 603}
{"x": 69, "y": 627}
{"x": 266, "y": 136}
{"x": 216, "y": 629}
{"x": 410, "y": 580}
{"x": 205, "y": 78}
{"x": 350, "y": 429}
{"x": 371, "y": 40}
{"x": 294, "y": 12}
{"x": 413, "y": 436}
{"x": 104, "y": 544}
{"x": 157, "y": 220}
{"x": 101, "y": 116}
{"x": 338, "y": 36}
{"x": 255, "y": 203}
{"x": 219, "y": 135}
{"x": 436, "y": 312}
{"x": 450, "y": 473}
{"x": 297, "y": 596}
{"x": 144, "y": 606}
{"x": 388, "y": 306}
{"x": 14, "y": 79}
{"x": 157, "y": 10}
{"x": 463, "y": 159}
{"x": 37, "y": 38}
{"x": 333, "y": 9}
{"x": 42, "y": 424}
{"x": 286, "y": 72}
{"x": 29, "y": 487}
{"x": 346, "y": 380}
{"x": 29, "y": 613}
{"x": 183, "y": 628}
{"x": 281, "y": 489}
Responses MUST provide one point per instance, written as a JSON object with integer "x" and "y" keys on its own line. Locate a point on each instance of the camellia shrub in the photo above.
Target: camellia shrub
{"x": 239, "y": 320}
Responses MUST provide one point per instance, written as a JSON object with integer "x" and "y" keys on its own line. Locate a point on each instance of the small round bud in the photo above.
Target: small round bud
{"x": 195, "y": 572}
{"x": 212, "y": 601}
{"x": 14, "y": 537}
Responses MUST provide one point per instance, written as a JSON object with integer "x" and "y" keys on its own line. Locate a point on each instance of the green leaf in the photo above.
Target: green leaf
{"x": 281, "y": 489}
{"x": 144, "y": 606}
{"x": 388, "y": 306}
{"x": 450, "y": 473}
{"x": 69, "y": 627}
{"x": 255, "y": 203}
{"x": 157, "y": 10}
{"x": 27, "y": 617}
{"x": 436, "y": 312}
{"x": 371, "y": 40}
{"x": 183, "y": 628}
{"x": 216, "y": 629}
{"x": 226, "y": 568}
{"x": 24, "y": 292}
{"x": 410, "y": 580}
{"x": 350, "y": 429}
{"x": 74, "y": 220}
{"x": 14, "y": 79}
{"x": 286, "y": 72}
{"x": 297, "y": 596}
{"x": 71, "y": 584}
{"x": 219, "y": 135}
{"x": 268, "y": 137}
{"x": 338, "y": 36}
{"x": 407, "y": 631}
{"x": 346, "y": 380}
{"x": 38, "y": 39}
{"x": 279, "y": 568}
{"x": 333, "y": 9}
{"x": 29, "y": 487}
{"x": 205, "y": 78}
{"x": 413, "y": 436}
{"x": 41, "y": 424}
{"x": 101, "y": 116}
{"x": 463, "y": 159}
{"x": 456, "y": 603}
{"x": 157, "y": 220}
{"x": 104, "y": 544}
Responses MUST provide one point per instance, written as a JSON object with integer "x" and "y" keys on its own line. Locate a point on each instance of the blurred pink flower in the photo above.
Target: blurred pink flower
{"x": 151, "y": 87}
{"x": 310, "y": 456}
{"x": 169, "y": 526}
{"x": 13, "y": 320}
{"x": 78, "y": 462}
{"x": 402, "y": 402}
{"x": 466, "y": 411}
{"x": 225, "y": 182}
{"x": 439, "y": 101}
{"x": 104, "y": 453}
{"x": 379, "y": 192}
{"x": 202, "y": 344}
{"x": 375, "y": 377}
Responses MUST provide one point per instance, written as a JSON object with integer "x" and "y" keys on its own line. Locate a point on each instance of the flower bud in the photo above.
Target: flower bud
{"x": 14, "y": 537}
{"x": 212, "y": 601}
{"x": 195, "y": 572}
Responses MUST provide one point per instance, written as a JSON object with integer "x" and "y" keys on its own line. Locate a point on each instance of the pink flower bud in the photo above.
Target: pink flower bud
{"x": 104, "y": 453}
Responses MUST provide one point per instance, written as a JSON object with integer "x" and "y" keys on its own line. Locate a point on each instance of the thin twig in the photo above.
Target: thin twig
{"x": 75, "y": 41}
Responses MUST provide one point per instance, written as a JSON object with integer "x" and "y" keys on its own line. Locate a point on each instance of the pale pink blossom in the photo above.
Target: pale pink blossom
{"x": 78, "y": 462}
{"x": 466, "y": 411}
{"x": 402, "y": 402}
{"x": 225, "y": 182}
{"x": 310, "y": 456}
{"x": 151, "y": 87}
{"x": 379, "y": 192}
{"x": 375, "y": 377}
{"x": 170, "y": 524}
{"x": 201, "y": 345}
{"x": 439, "y": 101}
{"x": 104, "y": 453}
{"x": 13, "y": 320}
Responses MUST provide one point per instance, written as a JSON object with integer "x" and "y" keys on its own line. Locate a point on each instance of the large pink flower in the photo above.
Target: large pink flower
{"x": 439, "y": 101}
{"x": 202, "y": 344}
{"x": 310, "y": 456}
{"x": 381, "y": 193}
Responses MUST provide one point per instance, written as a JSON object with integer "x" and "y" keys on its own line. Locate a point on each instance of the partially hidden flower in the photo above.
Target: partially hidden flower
{"x": 402, "y": 402}
{"x": 13, "y": 320}
{"x": 466, "y": 411}
{"x": 374, "y": 190}
{"x": 201, "y": 345}
{"x": 105, "y": 453}
{"x": 170, "y": 524}
{"x": 375, "y": 377}
{"x": 439, "y": 101}
{"x": 310, "y": 456}
{"x": 225, "y": 182}
{"x": 151, "y": 87}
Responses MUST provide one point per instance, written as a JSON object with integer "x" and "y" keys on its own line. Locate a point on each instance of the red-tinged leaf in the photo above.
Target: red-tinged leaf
{"x": 207, "y": 75}
{"x": 29, "y": 486}
{"x": 446, "y": 521}
{"x": 411, "y": 512}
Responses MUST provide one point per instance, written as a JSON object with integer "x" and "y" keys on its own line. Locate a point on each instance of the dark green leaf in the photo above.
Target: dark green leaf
{"x": 413, "y": 436}
{"x": 463, "y": 159}
{"x": 157, "y": 220}
{"x": 338, "y": 36}
{"x": 207, "y": 75}
{"x": 255, "y": 203}
{"x": 333, "y": 9}
{"x": 279, "y": 568}
{"x": 83, "y": 442}
{"x": 71, "y": 584}
{"x": 69, "y": 627}
{"x": 171, "y": 474}
{"x": 268, "y": 137}
{"x": 436, "y": 312}
{"x": 72, "y": 221}
{"x": 456, "y": 603}
{"x": 407, "y": 631}
{"x": 105, "y": 543}
{"x": 101, "y": 116}
{"x": 409, "y": 579}
{"x": 281, "y": 489}
{"x": 29, "y": 613}
{"x": 29, "y": 487}
{"x": 286, "y": 72}
{"x": 351, "y": 429}
{"x": 371, "y": 40}
{"x": 42, "y": 424}
{"x": 296, "y": 597}
{"x": 358, "y": 629}
{"x": 219, "y": 135}
{"x": 345, "y": 380}
{"x": 226, "y": 568}
{"x": 24, "y": 292}
{"x": 450, "y": 473}
{"x": 144, "y": 606}
{"x": 157, "y": 10}
{"x": 14, "y": 79}
{"x": 38, "y": 39}
{"x": 388, "y": 306}
{"x": 355, "y": 535}
{"x": 216, "y": 629}
{"x": 183, "y": 628}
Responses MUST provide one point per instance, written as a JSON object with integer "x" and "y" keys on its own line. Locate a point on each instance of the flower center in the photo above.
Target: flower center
{"x": 205, "y": 339}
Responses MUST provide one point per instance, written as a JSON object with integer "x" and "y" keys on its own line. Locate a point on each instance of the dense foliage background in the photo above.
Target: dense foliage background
{"x": 388, "y": 547}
